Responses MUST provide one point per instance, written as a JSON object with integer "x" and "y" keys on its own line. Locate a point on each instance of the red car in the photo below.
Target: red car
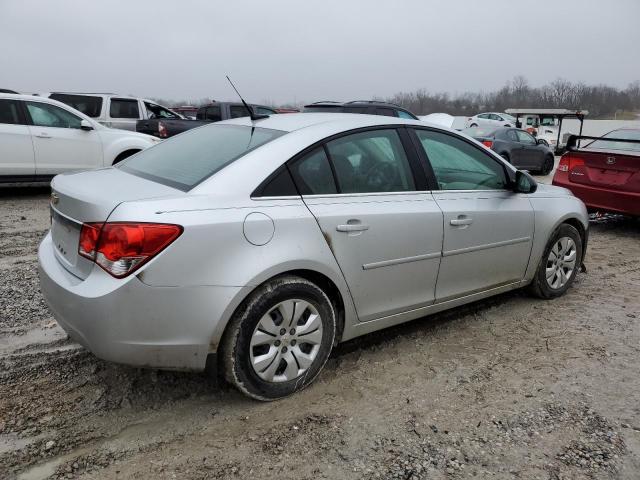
{"x": 605, "y": 173}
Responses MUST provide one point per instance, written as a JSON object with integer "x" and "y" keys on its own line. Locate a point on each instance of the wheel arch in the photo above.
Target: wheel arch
{"x": 125, "y": 154}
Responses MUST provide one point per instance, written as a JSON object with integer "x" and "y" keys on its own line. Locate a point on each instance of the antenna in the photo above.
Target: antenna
{"x": 252, "y": 114}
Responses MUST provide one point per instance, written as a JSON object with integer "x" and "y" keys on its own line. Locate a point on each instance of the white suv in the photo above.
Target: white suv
{"x": 40, "y": 138}
{"x": 115, "y": 111}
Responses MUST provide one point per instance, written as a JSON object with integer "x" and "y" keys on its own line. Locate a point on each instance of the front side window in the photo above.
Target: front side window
{"x": 459, "y": 165}
{"x": 524, "y": 137}
{"x": 369, "y": 162}
{"x": 312, "y": 174}
{"x": 124, "y": 108}
{"x": 190, "y": 158}
{"x": 403, "y": 114}
{"x": 264, "y": 111}
{"x": 511, "y": 135}
{"x": 156, "y": 111}
{"x": 89, "y": 105}
{"x": 45, "y": 115}
{"x": 9, "y": 113}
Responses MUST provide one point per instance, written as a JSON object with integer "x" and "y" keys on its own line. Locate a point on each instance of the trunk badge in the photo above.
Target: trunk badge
{"x": 54, "y": 198}
{"x": 611, "y": 160}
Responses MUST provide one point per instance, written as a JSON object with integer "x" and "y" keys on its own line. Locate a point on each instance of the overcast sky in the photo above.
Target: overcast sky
{"x": 306, "y": 50}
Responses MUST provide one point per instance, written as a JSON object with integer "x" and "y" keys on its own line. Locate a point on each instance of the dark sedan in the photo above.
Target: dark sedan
{"x": 516, "y": 146}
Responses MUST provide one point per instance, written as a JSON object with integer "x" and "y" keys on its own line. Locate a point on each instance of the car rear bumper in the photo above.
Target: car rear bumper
{"x": 598, "y": 198}
{"x": 129, "y": 322}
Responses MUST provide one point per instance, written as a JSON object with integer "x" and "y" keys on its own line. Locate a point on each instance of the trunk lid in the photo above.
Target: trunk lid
{"x": 91, "y": 196}
{"x": 612, "y": 169}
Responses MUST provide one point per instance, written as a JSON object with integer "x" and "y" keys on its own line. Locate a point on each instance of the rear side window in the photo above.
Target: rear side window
{"x": 387, "y": 112}
{"x": 355, "y": 110}
{"x": 9, "y": 112}
{"x": 237, "y": 111}
{"x": 190, "y": 158}
{"x": 89, "y": 105}
{"x": 312, "y": 174}
{"x": 369, "y": 162}
{"x": 211, "y": 113}
{"x": 124, "y": 108}
{"x": 459, "y": 165}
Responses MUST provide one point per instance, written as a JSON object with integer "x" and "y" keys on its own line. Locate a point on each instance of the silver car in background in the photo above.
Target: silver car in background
{"x": 256, "y": 246}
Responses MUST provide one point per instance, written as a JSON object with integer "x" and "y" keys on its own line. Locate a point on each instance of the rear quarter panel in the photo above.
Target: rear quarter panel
{"x": 214, "y": 250}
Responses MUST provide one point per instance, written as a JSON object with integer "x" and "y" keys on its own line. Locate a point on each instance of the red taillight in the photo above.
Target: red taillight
{"x": 569, "y": 162}
{"x": 121, "y": 248}
{"x": 487, "y": 143}
{"x": 162, "y": 130}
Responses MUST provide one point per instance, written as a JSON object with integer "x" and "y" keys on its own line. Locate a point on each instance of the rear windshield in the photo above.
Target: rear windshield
{"x": 613, "y": 145}
{"x": 187, "y": 159}
{"x": 90, "y": 106}
{"x": 477, "y": 132}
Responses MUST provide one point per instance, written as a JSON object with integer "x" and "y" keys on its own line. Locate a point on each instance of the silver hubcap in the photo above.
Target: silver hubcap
{"x": 286, "y": 341}
{"x": 561, "y": 262}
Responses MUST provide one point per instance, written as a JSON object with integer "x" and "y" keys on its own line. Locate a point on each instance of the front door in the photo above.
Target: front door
{"x": 532, "y": 152}
{"x": 59, "y": 143}
{"x": 488, "y": 229}
{"x": 385, "y": 233}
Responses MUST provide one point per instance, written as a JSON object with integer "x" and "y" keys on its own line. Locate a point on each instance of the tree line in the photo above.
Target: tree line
{"x": 602, "y": 101}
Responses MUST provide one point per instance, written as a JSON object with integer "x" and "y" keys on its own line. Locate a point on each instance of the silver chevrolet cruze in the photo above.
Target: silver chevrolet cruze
{"x": 255, "y": 246}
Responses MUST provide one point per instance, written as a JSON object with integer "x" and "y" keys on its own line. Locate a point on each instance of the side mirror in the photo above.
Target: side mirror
{"x": 524, "y": 183}
{"x": 85, "y": 125}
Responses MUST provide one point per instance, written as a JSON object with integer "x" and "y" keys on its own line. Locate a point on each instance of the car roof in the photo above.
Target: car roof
{"x": 342, "y": 121}
{"x": 330, "y": 103}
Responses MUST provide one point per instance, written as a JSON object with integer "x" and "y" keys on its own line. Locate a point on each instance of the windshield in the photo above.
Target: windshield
{"x": 613, "y": 145}
{"x": 187, "y": 159}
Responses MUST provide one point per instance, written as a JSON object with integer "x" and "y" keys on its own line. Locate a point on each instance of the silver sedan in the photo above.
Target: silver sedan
{"x": 255, "y": 246}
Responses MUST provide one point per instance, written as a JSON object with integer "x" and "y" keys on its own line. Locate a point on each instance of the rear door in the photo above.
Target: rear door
{"x": 367, "y": 194}
{"x": 16, "y": 147}
{"x": 123, "y": 113}
{"x": 488, "y": 229}
{"x": 60, "y": 145}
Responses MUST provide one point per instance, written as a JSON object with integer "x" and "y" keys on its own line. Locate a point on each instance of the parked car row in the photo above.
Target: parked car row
{"x": 41, "y": 137}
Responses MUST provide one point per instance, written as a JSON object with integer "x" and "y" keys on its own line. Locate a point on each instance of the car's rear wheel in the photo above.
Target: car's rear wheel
{"x": 473, "y": 125}
{"x": 279, "y": 339}
{"x": 505, "y": 155}
{"x": 559, "y": 264}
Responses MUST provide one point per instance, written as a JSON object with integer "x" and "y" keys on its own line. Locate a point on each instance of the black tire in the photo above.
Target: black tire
{"x": 547, "y": 166}
{"x": 473, "y": 125}
{"x": 539, "y": 286}
{"x": 236, "y": 344}
{"x": 505, "y": 155}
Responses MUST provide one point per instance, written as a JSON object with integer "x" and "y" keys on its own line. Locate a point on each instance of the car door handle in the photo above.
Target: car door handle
{"x": 461, "y": 221}
{"x": 43, "y": 135}
{"x": 352, "y": 227}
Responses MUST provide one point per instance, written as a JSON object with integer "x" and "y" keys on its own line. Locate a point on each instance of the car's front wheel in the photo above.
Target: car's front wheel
{"x": 279, "y": 339}
{"x": 559, "y": 264}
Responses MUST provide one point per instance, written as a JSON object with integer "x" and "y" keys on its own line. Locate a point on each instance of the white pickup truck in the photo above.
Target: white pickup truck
{"x": 115, "y": 111}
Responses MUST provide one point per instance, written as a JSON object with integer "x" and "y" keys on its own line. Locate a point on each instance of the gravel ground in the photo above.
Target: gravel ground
{"x": 508, "y": 388}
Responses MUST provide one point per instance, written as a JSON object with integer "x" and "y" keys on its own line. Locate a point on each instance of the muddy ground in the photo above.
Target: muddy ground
{"x": 508, "y": 388}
